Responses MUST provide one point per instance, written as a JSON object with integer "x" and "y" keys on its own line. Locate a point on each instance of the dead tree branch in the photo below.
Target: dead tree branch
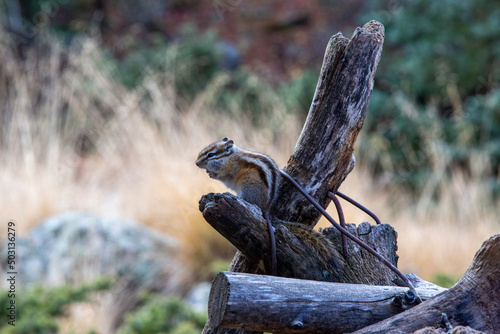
{"x": 323, "y": 155}
{"x": 320, "y": 162}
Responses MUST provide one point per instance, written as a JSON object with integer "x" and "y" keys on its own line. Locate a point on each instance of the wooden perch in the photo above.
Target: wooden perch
{"x": 323, "y": 155}
{"x": 242, "y": 224}
{"x": 474, "y": 301}
{"x": 320, "y": 162}
{"x": 285, "y": 305}
{"x": 299, "y": 306}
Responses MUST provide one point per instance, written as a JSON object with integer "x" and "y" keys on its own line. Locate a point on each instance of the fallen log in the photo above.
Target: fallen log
{"x": 474, "y": 301}
{"x": 285, "y": 305}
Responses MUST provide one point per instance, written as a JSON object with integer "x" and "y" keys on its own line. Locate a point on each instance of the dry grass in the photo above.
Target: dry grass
{"x": 141, "y": 162}
{"x": 143, "y": 170}
{"x": 441, "y": 238}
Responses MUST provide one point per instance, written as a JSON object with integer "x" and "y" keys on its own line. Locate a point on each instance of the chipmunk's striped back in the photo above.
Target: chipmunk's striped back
{"x": 254, "y": 176}
{"x": 267, "y": 169}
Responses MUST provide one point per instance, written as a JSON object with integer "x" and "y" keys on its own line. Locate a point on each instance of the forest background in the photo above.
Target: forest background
{"x": 106, "y": 104}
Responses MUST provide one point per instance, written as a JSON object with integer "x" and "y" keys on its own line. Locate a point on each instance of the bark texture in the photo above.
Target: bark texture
{"x": 285, "y": 305}
{"x": 301, "y": 252}
{"x": 320, "y": 162}
{"x": 474, "y": 301}
{"x": 323, "y": 155}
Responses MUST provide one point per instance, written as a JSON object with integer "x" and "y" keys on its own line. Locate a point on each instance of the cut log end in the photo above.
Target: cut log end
{"x": 219, "y": 295}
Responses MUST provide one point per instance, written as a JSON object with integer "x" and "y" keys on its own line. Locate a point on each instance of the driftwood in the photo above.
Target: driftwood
{"x": 320, "y": 162}
{"x": 286, "y": 305}
{"x": 323, "y": 155}
{"x": 243, "y": 225}
{"x": 474, "y": 301}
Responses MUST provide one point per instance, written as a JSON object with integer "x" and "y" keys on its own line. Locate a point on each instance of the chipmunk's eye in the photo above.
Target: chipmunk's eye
{"x": 211, "y": 155}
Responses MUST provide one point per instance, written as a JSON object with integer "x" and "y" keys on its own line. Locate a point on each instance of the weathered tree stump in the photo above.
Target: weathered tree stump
{"x": 323, "y": 156}
{"x": 242, "y": 224}
{"x": 322, "y": 159}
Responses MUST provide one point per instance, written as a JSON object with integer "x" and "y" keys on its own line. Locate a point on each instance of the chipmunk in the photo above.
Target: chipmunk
{"x": 252, "y": 175}
{"x": 255, "y": 178}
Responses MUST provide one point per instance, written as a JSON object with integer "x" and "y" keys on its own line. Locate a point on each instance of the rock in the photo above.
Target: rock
{"x": 197, "y": 298}
{"x": 74, "y": 247}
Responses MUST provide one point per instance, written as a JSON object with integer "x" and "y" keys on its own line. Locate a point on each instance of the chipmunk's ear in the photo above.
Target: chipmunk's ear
{"x": 228, "y": 145}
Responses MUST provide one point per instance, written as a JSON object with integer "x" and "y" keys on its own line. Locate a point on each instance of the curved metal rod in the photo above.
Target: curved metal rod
{"x": 356, "y": 204}
{"x": 352, "y": 237}
{"x": 272, "y": 244}
{"x": 341, "y": 221}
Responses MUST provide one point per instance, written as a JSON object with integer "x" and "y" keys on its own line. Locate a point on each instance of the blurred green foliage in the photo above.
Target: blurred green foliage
{"x": 161, "y": 314}
{"x": 194, "y": 63}
{"x": 444, "y": 280}
{"x": 218, "y": 265}
{"x": 431, "y": 45}
{"x": 37, "y": 308}
{"x": 435, "y": 106}
{"x": 297, "y": 93}
{"x": 190, "y": 62}
{"x": 436, "y": 103}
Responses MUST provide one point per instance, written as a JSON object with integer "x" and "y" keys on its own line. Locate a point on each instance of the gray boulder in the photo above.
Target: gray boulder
{"x": 75, "y": 247}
